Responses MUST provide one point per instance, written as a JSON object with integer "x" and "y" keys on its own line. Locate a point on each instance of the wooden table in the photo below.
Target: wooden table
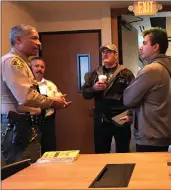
{"x": 150, "y": 172}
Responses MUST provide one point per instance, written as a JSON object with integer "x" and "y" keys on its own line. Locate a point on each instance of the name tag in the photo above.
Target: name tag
{"x": 43, "y": 89}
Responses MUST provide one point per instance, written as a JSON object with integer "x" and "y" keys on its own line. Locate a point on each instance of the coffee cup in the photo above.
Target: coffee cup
{"x": 102, "y": 78}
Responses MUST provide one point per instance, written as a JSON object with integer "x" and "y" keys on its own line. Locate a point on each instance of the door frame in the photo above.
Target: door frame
{"x": 74, "y": 32}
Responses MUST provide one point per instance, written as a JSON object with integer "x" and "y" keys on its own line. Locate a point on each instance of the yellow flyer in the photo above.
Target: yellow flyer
{"x": 59, "y": 156}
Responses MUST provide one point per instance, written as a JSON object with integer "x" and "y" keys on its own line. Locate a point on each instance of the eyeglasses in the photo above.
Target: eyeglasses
{"x": 108, "y": 51}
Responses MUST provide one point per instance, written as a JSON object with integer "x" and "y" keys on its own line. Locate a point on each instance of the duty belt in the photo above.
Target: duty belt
{"x": 34, "y": 119}
{"x": 25, "y": 126}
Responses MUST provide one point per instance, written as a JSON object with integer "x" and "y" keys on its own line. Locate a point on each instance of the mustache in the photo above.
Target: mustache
{"x": 39, "y": 72}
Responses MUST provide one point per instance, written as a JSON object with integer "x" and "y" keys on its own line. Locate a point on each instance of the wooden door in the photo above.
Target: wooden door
{"x": 74, "y": 126}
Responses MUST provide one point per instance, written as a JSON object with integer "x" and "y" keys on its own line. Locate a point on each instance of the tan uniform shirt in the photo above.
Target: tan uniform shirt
{"x": 19, "y": 92}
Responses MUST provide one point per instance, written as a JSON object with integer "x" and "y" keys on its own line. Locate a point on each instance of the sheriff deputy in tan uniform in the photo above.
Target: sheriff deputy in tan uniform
{"x": 22, "y": 104}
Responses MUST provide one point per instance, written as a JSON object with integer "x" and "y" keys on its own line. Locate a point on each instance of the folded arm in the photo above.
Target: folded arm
{"x": 140, "y": 86}
{"x": 15, "y": 74}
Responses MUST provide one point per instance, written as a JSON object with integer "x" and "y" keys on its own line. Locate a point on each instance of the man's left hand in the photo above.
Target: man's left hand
{"x": 127, "y": 119}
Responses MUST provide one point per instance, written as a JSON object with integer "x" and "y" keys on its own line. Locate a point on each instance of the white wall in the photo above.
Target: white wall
{"x": 11, "y": 16}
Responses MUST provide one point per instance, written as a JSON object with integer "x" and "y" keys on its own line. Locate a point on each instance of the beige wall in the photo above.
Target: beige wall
{"x": 130, "y": 49}
{"x": 12, "y": 15}
{"x": 168, "y": 28}
{"x": 82, "y": 20}
{"x": 114, "y": 30}
{"x": 106, "y": 26}
{"x": 73, "y": 20}
{"x": 168, "y": 25}
{"x": 98, "y": 18}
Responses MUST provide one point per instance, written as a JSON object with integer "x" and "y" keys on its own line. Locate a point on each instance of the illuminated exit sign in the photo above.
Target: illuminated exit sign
{"x": 142, "y": 8}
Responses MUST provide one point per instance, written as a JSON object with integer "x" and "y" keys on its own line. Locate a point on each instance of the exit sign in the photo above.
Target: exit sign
{"x": 142, "y": 8}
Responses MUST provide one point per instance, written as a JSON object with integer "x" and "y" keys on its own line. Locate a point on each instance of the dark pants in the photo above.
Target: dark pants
{"x": 103, "y": 134}
{"x": 16, "y": 152}
{"x": 148, "y": 148}
{"x": 48, "y": 129}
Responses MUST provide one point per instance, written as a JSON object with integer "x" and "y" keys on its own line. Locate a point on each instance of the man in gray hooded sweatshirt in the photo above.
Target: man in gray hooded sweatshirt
{"x": 149, "y": 94}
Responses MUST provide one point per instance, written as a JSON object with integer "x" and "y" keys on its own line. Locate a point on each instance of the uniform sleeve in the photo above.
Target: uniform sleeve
{"x": 15, "y": 74}
{"x": 88, "y": 92}
{"x": 136, "y": 91}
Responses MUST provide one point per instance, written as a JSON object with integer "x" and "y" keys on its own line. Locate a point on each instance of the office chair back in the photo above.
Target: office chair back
{"x": 169, "y": 149}
{"x": 11, "y": 169}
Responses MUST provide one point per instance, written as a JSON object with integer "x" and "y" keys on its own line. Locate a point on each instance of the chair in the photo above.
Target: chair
{"x": 11, "y": 169}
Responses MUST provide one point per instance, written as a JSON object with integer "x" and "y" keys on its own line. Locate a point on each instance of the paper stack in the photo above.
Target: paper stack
{"x": 59, "y": 156}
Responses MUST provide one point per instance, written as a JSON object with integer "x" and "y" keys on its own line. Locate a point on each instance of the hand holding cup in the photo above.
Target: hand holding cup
{"x": 102, "y": 78}
{"x": 101, "y": 84}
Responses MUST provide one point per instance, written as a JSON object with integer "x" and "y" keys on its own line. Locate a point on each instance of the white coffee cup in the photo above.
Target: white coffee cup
{"x": 102, "y": 78}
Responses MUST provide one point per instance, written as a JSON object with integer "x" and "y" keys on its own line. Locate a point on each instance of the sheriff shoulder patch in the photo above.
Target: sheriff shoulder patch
{"x": 17, "y": 62}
